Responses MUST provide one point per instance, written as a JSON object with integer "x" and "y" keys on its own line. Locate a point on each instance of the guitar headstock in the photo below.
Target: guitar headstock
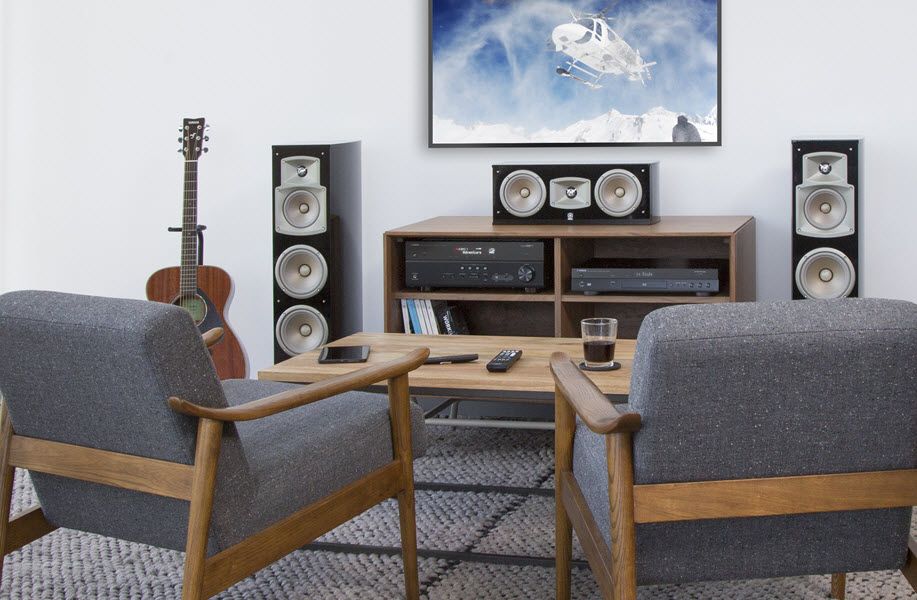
{"x": 193, "y": 137}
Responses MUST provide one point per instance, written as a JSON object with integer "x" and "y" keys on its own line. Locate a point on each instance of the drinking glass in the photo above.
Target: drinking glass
{"x": 599, "y": 337}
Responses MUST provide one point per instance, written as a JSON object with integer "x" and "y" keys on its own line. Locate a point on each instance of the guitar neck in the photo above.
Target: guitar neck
{"x": 188, "y": 282}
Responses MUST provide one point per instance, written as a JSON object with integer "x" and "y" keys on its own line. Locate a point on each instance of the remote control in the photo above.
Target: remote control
{"x": 503, "y": 361}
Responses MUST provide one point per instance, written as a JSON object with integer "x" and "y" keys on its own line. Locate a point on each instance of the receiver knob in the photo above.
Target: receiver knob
{"x": 526, "y": 273}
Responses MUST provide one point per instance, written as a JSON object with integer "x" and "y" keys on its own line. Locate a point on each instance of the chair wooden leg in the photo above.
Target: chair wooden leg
{"x": 400, "y": 415}
{"x": 619, "y": 454}
{"x": 209, "y": 434}
{"x": 7, "y": 474}
{"x": 564, "y": 430}
{"x": 910, "y": 564}
{"x": 839, "y": 586}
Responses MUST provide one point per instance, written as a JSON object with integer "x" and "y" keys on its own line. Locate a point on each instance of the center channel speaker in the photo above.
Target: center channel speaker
{"x": 608, "y": 194}
{"x": 826, "y": 204}
{"x": 317, "y": 235}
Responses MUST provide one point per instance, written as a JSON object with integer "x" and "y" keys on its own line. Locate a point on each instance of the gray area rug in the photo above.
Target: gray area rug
{"x": 69, "y": 564}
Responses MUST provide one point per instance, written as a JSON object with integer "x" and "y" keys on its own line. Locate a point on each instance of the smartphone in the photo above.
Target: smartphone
{"x": 343, "y": 354}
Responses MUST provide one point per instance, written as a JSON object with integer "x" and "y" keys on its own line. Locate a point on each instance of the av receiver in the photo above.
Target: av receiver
{"x": 597, "y": 280}
{"x": 474, "y": 264}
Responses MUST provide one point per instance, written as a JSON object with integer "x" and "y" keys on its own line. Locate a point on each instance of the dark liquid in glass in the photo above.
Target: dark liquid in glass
{"x": 598, "y": 351}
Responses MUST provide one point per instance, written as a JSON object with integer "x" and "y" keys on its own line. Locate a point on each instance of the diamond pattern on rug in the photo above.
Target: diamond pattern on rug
{"x": 526, "y": 531}
{"x": 445, "y": 521}
{"x": 486, "y": 456}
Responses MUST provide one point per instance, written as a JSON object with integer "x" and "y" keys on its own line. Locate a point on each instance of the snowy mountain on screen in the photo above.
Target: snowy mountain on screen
{"x": 613, "y": 126}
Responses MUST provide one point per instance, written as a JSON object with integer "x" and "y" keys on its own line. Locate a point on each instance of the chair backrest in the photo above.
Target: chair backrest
{"x": 96, "y": 372}
{"x": 771, "y": 389}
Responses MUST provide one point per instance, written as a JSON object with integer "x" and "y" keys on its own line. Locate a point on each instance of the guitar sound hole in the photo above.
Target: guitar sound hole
{"x": 195, "y": 305}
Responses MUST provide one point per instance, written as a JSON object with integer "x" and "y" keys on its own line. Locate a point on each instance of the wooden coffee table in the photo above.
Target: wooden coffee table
{"x": 529, "y": 380}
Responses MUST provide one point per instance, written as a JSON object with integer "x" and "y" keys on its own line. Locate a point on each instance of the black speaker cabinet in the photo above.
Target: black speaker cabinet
{"x": 318, "y": 290}
{"x": 608, "y": 194}
{"x": 826, "y": 224}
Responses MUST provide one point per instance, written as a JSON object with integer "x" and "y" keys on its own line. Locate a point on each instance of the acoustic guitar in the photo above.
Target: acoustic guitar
{"x": 203, "y": 291}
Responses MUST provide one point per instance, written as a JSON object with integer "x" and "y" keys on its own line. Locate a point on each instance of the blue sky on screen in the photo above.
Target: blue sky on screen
{"x": 494, "y": 62}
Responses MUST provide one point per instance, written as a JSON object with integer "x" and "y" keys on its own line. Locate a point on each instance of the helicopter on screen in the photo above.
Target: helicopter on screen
{"x": 594, "y": 50}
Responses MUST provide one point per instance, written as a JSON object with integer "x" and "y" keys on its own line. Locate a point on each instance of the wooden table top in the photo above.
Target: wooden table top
{"x": 475, "y": 227}
{"x": 529, "y": 377}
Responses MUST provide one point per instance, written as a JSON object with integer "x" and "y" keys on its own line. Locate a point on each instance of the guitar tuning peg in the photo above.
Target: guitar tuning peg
{"x": 179, "y": 150}
{"x": 206, "y": 149}
{"x": 180, "y": 140}
{"x": 206, "y": 138}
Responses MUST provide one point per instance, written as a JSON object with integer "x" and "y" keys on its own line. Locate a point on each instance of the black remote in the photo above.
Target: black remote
{"x": 452, "y": 358}
{"x": 503, "y": 361}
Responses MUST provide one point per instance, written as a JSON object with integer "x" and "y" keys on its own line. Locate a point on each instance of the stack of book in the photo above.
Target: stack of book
{"x": 433, "y": 318}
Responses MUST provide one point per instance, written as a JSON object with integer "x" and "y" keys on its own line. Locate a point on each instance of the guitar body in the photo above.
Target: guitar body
{"x": 214, "y": 292}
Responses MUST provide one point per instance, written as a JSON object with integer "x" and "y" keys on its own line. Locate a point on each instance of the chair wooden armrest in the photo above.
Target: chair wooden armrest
{"x": 590, "y": 404}
{"x": 276, "y": 403}
{"x": 212, "y": 336}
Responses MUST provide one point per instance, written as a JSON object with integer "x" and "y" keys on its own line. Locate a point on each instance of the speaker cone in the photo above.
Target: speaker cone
{"x": 522, "y": 193}
{"x": 301, "y": 209}
{"x": 825, "y": 273}
{"x": 301, "y": 271}
{"x": 301, "y": 329}
{"x": 825, "y": 209}
{"x": 618, "y": 193}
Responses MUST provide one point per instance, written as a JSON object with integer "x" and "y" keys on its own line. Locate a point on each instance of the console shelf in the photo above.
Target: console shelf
{"x": 645, "y": 299}
{"x": 723, "y": 242}
{"x": 475, "y": 296}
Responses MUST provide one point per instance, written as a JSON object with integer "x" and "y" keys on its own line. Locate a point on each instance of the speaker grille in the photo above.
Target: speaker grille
{"x": 618, "y": 193}
{"x": 301, "y": 329}
{"x": 522, "y": 193}
{"x": 301, "y": 271}
{"x": 825, "y": 273}
{"x": 825, "y": 209}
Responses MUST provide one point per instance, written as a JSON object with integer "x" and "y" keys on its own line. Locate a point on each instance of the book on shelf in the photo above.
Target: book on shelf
{"x": 415, "y": 318}
{"x": 431, "y": 317}
{"x": 405, "y": 316}
{"x": 450, "y": 318}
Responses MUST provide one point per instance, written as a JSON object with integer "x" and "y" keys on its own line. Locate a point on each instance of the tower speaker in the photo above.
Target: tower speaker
{"x": 623, "y": 193}
{"x": 317, "y": 242}
{"x": 826, "y": 205}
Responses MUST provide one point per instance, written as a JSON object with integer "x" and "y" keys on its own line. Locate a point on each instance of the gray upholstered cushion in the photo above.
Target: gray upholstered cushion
{"x": 97, "y": 372}
{"x": 762, "y": 390}
{"x": 297, "y": 457}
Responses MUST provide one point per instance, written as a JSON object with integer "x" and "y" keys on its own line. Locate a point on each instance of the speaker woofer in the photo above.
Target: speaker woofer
{"x": 301, "y": 329}
{"x": 522, "y": 193}
{"x": 825, "y": 273}
{"x": 825, "y": 209}
{"x": 301, "y": 271}
{"x": 618, "y": 193}
{"x": 301, "y": 209}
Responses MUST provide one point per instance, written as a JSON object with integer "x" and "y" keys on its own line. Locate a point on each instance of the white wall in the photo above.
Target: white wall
{"x": 96, "y": 90}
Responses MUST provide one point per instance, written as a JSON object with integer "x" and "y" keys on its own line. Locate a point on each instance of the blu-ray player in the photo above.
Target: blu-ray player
{"x": 597, "y": 280}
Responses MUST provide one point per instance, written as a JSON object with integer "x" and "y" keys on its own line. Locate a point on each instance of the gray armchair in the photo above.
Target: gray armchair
{"x": 760, "y": 440}
{"x": 115, "y": 409}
